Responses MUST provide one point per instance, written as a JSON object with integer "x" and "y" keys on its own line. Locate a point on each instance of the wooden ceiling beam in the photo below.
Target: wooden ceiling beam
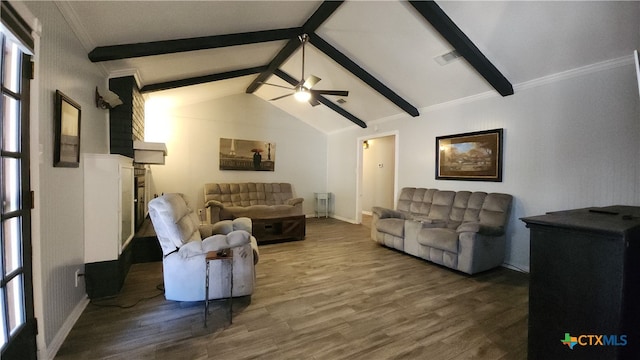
{"x": 127, "y": 51}
{"x": 319, "y": 16}
{"x": 201, "y": 79}
{"x": 330, "y": 104}
{"x": 452, "y": 33}
{"x": 362, "y": 74}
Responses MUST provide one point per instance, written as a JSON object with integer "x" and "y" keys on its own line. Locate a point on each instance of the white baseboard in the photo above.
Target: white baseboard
{"x": 57, "y": 341}
{"x": 352, "y": 221}
{"x": 513, "y": 267}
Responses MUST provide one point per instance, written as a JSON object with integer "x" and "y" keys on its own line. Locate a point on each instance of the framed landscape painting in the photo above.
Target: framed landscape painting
{"x": 470, "y": 156}
{"x": 67, "y": 132}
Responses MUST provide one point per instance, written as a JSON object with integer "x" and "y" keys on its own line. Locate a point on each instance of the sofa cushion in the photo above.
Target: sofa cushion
{"x": 441, "y": 205}
{"x": 176, "y": 223}
{"x": 458, "y": 209}
{"x": 495, "y": 211}
{"x": 439, "y": 238}
{"x": 391, "y": 226}
{"x": 248, "y": 194}
{"x": 474, "y": 205}
{"x": 421, "y": 201}
{"x": 415, "y": 201}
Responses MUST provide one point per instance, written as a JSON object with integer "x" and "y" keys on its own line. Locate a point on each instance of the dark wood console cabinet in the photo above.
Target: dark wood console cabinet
{"x": 585, "y": 280}
{"x": 279, "y": 229}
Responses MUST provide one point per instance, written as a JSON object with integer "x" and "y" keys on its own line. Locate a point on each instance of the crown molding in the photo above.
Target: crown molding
{"x": 545, "y": 80}
{"x": 580, "y": 71}
{"x": 74, "y": 22}
{"x": 127, "y": 72}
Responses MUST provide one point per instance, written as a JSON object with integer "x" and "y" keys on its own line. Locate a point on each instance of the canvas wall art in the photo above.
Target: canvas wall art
{"x": 248, "y": 155}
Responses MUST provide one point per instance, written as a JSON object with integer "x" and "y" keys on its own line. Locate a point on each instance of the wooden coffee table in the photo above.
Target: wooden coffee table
{"x": 279, "y": 229}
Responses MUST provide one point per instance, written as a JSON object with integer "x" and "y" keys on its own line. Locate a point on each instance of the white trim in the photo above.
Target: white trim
{"x": 73, "y": 19}
{"x": 351, "y": 221}
{"x": 359, "y": 168}
{"x": 512, "y": 267}
{"x": 545, "y": 80}
{"x": 65, "y": 329}
{"x": 127, "y": 72}
{"x": 636, "y": 60}
{"x": 27, "y": 16}
{"x": 35, "y": 161}
{"x": 581, "y": 71}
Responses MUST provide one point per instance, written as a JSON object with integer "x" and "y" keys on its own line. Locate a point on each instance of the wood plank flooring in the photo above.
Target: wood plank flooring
{"x": 334, "y": 295}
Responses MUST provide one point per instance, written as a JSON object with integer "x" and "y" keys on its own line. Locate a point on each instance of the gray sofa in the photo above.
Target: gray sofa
{"x": 253, "y": 200}
{"x": 461, "y": 230}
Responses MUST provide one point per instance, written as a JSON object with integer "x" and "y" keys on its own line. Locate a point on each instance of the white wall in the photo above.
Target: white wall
{"x": 570, "y": 141}
{"x": 193, "y": 143}
{"x": 58, "y": 237}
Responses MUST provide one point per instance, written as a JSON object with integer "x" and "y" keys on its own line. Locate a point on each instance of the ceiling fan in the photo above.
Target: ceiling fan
{"x": 303, "y": 91}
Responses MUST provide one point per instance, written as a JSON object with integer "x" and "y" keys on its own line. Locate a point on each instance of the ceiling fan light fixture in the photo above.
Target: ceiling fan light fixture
{"x": 302, "y": 95}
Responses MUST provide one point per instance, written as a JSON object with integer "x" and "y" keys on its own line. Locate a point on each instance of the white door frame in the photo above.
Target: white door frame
{"x": 359, "y": 168}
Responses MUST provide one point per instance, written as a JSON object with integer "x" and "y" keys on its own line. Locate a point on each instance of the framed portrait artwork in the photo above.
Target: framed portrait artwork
{"x": 470, "y": 156}
{"x": 67, "y": 132}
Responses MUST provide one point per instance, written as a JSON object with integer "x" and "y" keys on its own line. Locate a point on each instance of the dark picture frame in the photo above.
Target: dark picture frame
{"x": 66, "y": 152}
{"x": 470, "y": 156}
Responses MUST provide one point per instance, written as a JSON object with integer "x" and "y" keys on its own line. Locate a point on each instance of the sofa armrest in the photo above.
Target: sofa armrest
{"x": 213, "y": 209}
{"x": 430, "y": 223}
{"x": 190, "y": 249}
{"x": 221, "y": 242}
{"x": 294, "y": 201}
{"x": 384, "y": 213}
{"x": 473, "y": 227}
{"x": 481, "y": 229}
{"x": 491, "y": 230}
{"x": 256, "y": 252}
{"x": 215, "y": 203}
{"x": 206, "y": 230}
{"x": 227, "y": 226}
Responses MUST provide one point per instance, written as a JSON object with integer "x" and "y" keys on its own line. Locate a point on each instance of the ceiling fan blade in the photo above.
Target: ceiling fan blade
{"x": 310, "y": 81}
{"x": 280, "y": 97}
{"x": 314, "y": 102}
{"x": 280, "y": 86}
{"x": 330, "y": 92}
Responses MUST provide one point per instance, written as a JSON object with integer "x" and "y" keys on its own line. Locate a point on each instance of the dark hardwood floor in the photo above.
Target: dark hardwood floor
{"x": 334, "y": 295}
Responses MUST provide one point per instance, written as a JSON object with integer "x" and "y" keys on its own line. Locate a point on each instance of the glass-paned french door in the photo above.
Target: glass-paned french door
{"x": 17, "y": 329}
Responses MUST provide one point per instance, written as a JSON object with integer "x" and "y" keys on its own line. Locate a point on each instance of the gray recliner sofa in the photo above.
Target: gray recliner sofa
{"x": 461, "y": 230}
{"x": 253, "y": 200}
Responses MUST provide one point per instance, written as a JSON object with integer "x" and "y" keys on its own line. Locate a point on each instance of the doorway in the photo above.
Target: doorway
{"x": 377, "y": 172}
{"x": 18, "y": 329}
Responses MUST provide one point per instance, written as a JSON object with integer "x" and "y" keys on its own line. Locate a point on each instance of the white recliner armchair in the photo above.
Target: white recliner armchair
{"x": 185, "y": 243}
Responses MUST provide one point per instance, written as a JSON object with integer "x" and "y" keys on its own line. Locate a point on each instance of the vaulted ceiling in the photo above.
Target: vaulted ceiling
{"x": 382, "y": 52}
